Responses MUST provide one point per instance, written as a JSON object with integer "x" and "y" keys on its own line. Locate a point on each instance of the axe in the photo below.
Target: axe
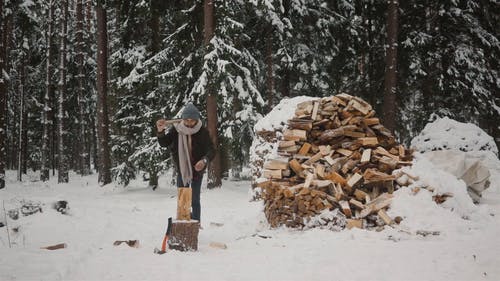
{"x": 165, "y": 239}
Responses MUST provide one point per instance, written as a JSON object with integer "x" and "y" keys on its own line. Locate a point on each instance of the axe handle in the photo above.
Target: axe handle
{"x": 172, "y": 121}
{"x": 167, "y": 234}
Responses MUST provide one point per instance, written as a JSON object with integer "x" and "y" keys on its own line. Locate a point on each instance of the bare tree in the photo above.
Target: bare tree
{"x": 102, "y": 108}
{"x": 46, "y": 122}
{"x": 3, "y": 100}
{"x": 214, "y": 171}
{"x": 390, "y": 82}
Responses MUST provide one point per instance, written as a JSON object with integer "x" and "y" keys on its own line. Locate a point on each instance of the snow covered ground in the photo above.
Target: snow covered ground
{"x": 465, "y": 249}
{"x": 456, "y": 240}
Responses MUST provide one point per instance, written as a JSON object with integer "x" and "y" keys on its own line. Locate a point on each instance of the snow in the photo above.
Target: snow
{"x": 446, "y": 133}
{"x": 277, "y": 118}
{"x": 458, "y": 240}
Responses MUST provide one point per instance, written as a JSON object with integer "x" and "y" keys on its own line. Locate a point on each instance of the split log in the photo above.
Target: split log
{"x": 283, "y": 144}
{"x": 304, "y": 149}
{"x": 368, "y": 141}
{"x": 300, "y": 124}
{"x": 355, "y": 179}
{"x": 276, "y": 164}
{"x": 55, "y": 247}
{"x": 371, "y": 121}
{"x": 296, "y": 167}
{"x": 360, "y": 195}
{"x": 184, "y": 195}
{"x": 331, "y": 134}
{"x": 295, "y": 135}
{"x": 336, "y": 178}
{"x": 272, "y": 174}
{"x": 383, "y": 215}
{"x": 372, "y": 175}
{"x": 351, "y": 223}
{"x": 345, "y": 208}
{"x": 365, "y": 158}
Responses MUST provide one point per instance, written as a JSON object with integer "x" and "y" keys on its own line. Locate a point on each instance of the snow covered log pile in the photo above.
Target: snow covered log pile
{"x": 333, "y": 155}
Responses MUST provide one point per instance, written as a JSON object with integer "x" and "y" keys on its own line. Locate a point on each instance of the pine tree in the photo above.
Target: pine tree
{"x": 448, "y": 56}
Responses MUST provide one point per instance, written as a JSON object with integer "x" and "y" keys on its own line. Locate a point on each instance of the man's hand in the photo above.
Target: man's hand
{"x": 160, "y": 125}
{"x": 200, "y": 165}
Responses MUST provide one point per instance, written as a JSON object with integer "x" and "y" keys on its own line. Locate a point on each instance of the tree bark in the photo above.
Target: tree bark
{"x": 83, "y": 132}
{"x": 20, "y": 149}
{"x": 3, "y": 99}
{"x": 184, "y": 236}
{"x": 44, "y": 171}
{"x": 390, "y": 82}
{"x": 63, "y": 162}
{"x": 155, "y": 26}
{"x": 285, "y": 75}
{"x": 89, "y": 15}
{"x": 214, "y": 169}
{"x": 102, "y": 108}
{"x": 269, "y": 63}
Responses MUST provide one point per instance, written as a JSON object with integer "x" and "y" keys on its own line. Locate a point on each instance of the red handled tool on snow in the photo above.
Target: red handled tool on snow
{"x": 164, "y": 244}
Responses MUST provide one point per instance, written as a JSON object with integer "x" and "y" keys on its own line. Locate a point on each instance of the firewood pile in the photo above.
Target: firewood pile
{"x": 333, "y": 155}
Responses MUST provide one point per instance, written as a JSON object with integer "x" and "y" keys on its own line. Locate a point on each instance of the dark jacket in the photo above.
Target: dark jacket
{"x": 201, "y": 143}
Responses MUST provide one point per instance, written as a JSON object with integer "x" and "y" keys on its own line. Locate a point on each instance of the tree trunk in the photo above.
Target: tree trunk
{"x": 93, "y": 147}
{"x": 44, "y": 171}
{"x": 390, "y": 82}
{"x": 285, "y": 78}
{"x": 83, "y": 163}
{"x": 184, "y": 235}
{"x": 269, "y": 63}
{"x": 89, "y": 15}
{"x": 63, "y": 162}
{"x": 214, "y": 169}
{"x": 155, "y": 26}
{"x": 20, "y": 150}
{"x": 3, "y": 100}
{"x": 102, "y": 108}
{"x": 153, "y": 178}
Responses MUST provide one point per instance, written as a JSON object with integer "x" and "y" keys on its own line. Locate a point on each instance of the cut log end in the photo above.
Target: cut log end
{"x": 184, "y": 236}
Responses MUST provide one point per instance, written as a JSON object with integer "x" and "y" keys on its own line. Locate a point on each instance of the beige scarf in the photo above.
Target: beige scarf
{"x": 184, "y": 147}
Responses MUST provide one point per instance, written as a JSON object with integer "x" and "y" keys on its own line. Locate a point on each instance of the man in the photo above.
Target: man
{"x": 191, "y": 148}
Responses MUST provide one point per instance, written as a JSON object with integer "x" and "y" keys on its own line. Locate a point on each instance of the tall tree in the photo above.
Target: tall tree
{"x": 269, "y": 68}
{"x": 46, "y": 122}
{"x": 83, "y": 131}
{"x": 214, "y": 171}
{"x": 62, "y": 132}
{"x": 21, "y": 159}
{"x": 3, "y": 100}
{"x": 390, "y": 81}
{"x": 102, "y": 107}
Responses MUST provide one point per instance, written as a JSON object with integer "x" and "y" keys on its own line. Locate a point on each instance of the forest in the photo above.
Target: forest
{"x": 82, "y": 82}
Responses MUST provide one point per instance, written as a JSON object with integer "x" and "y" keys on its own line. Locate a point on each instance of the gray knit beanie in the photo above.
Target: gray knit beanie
{"x": 190, "y": 112}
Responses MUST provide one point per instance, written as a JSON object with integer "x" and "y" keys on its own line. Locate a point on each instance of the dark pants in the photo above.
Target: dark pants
{"x": 195, "y": 199}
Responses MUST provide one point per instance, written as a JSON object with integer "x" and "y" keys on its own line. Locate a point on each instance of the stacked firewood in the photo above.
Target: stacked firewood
{"x": 333, "y": 154}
